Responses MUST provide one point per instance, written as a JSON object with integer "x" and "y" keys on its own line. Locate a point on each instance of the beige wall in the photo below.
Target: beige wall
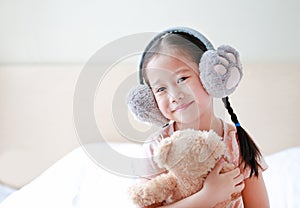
{"x": 36, "y": 108}
{"x": 36, "y": 125}
{"x": 268, "y": 104}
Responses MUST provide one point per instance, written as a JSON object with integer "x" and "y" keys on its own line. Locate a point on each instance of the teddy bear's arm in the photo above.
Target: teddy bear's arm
{"x": 154, "y": 191}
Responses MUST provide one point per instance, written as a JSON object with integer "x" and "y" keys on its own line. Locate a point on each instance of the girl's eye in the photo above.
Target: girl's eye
{"x": 161, "y": 89}
{"x": 181, "y": 79}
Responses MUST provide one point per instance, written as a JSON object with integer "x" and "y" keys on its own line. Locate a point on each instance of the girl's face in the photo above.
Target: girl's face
{"x": 178, "y": 91}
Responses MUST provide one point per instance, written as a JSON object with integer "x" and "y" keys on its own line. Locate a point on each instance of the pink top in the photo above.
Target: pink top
{"x": 232, "y": 148}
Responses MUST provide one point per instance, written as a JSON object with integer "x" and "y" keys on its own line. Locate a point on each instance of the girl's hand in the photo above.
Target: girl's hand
{"x": 219, "y": 187}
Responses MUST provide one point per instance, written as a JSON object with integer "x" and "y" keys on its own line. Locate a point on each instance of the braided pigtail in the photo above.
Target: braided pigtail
{"x": 249, "y": 151}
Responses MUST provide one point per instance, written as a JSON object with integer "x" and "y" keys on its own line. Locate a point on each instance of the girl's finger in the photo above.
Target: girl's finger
{"x": 218, "y": 167}
{"x": 239, "y": 188}
{"x": 235, "y": 173}
{"x": 239, "y": 179}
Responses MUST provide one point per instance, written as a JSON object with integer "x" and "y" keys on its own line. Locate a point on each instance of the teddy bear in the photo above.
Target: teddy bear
{"x": 188, "y": 156}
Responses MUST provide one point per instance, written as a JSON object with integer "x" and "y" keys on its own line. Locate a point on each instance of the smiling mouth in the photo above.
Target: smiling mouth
{"x": 182, "y": 107}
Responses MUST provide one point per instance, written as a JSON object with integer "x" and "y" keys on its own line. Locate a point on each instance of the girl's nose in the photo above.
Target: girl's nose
{"x": 176, "y": 96}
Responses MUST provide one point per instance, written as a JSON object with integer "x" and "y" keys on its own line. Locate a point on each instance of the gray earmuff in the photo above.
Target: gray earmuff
{"x": 142, "y": 104}
{"x": 220, "y": 74}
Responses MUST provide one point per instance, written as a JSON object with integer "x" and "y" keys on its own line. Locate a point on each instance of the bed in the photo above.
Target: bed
{"x": 76, "y": 181}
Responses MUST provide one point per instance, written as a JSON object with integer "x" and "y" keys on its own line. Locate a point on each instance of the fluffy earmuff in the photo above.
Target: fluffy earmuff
{"x": 220, "y": 71}
{"x": 220, "y": 74}
{"x": 142, "y": 104}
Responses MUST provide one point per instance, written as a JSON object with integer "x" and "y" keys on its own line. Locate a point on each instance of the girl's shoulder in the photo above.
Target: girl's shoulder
{"x": 231, "y": 142}
{"x": 229, "y": 131}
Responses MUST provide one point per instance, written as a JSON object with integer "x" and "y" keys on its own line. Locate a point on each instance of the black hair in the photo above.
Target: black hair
{"x": 182, "y": 42}
{"x": 249, "y": 151}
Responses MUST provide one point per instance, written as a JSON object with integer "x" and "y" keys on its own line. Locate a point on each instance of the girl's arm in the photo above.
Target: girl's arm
{"x": 255, "y": 192}
{"x": 230, "y": 182}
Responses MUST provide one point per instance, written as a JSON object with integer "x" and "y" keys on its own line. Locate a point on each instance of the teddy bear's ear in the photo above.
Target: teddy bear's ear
{"x": 162, "y": 151}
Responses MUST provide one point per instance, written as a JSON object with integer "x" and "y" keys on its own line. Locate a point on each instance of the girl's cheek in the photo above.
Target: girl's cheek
{"x": 162, "y": 104}
{"x": 159, "y": 102}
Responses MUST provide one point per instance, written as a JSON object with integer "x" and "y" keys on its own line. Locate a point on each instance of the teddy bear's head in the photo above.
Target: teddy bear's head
{"x": 189, "y": 148}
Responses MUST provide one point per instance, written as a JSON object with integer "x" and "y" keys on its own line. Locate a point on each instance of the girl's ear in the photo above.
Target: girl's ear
{"x": 220, "y": 71}
{"x": 142, "y": 104}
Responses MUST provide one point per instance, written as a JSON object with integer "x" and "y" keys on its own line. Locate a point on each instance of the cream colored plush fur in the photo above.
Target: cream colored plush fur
{"x": 189, "y": 156}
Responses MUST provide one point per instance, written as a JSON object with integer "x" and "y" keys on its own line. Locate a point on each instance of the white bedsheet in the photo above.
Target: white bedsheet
{"x": 282, "y": 178}
{"x": 75, "y": 181}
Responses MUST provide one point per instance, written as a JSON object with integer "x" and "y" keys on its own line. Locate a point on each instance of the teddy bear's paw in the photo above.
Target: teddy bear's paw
{"x": 220, "y": 71}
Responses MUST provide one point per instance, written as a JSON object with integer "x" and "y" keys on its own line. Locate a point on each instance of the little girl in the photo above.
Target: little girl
{"x": 170, "y": 68}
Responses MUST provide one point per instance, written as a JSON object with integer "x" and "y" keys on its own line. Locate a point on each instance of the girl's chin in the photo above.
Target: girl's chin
{"x": 187, "y": 116}
{"x": 187, "y": 120}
